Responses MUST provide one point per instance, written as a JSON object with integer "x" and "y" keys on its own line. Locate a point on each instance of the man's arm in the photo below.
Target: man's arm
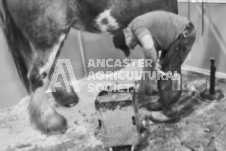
{"x": 149, "y": 48}
{"x": 150, "y": 52}
{"x": 144, "y": 37}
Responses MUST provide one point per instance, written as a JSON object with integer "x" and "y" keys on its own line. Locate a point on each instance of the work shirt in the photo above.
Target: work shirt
{"x": 164, "y": 27}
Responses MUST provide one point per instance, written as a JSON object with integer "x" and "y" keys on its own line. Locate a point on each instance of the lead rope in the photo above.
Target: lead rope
{"x": 189, "y": 9}
{"x": 203, "y": 12}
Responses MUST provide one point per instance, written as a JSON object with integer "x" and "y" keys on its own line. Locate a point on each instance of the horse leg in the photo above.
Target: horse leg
{"x": 34, "y": 37}
{"x": 61, "y": 95}
{"x": 42, "y": 114}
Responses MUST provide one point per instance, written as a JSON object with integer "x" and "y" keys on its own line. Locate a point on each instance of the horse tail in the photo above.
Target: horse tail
{"x": 18, "y": 44}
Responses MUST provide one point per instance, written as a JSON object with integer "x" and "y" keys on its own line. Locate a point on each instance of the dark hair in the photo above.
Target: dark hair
{"x": 120, "y": 42}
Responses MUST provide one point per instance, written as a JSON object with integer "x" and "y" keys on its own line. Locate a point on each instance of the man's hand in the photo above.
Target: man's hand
{"x": 158, "y": 68}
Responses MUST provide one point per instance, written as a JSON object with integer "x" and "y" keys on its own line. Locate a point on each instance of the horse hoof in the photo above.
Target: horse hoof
{"x": 152, "y": 106}
{"x": 160, "y": 117}
{"x": 148, "y": 91}
{"x": 56, "y": 124}
{"x": 64, "y": 98}
{"x": 49, "y": 121}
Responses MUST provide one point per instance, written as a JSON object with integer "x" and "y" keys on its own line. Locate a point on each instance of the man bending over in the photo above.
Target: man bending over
{"x": 174, "y": 36}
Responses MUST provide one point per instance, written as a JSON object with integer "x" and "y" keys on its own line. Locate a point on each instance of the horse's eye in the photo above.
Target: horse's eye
{"x": 43, "y": 75}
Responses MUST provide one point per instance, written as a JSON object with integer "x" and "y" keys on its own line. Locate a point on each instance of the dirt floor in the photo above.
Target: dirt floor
{"x": 200, "y": 121}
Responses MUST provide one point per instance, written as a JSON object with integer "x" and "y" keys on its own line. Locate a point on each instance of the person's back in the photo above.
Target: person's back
{"x": 175, "y": 36}
{"x": 165, "y": 27}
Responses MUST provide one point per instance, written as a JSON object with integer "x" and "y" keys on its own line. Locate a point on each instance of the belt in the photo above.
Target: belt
{"x": 188, "y": 29}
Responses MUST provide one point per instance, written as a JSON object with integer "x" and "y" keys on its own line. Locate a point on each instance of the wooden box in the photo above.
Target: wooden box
{"x": 119, "y": 123}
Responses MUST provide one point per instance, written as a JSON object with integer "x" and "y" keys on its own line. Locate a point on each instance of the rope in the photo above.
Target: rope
{"x": 203, "y": 12}
{"x": 189, "y": 9}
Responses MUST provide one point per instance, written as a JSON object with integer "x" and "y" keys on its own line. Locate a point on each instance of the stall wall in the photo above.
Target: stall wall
{"x": 210, "y": 25}
{"x": 11, "y": 89}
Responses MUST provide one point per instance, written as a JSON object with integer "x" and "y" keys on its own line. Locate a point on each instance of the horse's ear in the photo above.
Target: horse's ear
{"x": 120, "y": 43}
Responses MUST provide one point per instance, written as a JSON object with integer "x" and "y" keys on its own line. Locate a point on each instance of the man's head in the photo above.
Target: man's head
{"x": 130, "y": 38}
{"x": 120, "y": 43}
{"x": 124, "y": 40}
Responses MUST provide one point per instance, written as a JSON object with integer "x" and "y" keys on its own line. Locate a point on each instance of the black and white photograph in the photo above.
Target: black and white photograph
{"x": 112, "y": 75}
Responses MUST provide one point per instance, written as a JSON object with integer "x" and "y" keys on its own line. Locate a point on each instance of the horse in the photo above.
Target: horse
{"x": 35, "y": 31}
